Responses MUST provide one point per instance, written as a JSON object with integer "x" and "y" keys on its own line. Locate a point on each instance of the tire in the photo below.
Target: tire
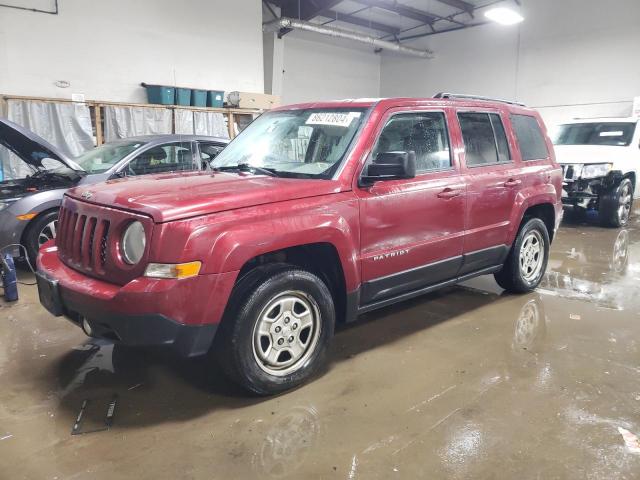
{"x": 615, "y": 206}
{"x": 272, "y": 306}
{"x": 515, "y": 278}
{"x": 39, "y": 230}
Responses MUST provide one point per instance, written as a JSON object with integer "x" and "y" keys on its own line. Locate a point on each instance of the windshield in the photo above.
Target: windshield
{"x": 295, "y": 143}
{"x": 595, "y": 133}
{"x": 102, "y": 158}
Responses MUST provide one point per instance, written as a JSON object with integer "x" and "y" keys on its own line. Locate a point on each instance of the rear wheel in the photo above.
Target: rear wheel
{"x": 615, "y": 206}
{"x": 527, "y": 260}
{"x": 41, "y": 229}
{"x": 277, "y": 329}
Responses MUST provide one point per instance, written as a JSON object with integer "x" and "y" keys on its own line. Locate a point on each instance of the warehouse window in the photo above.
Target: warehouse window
{"x": 484, "y": 138}
{"x": 530, "y": 138}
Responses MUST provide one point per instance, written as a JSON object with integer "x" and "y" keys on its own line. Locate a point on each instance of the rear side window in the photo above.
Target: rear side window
{"x": 485, "y": 142}
{"x": 530, "y": 138}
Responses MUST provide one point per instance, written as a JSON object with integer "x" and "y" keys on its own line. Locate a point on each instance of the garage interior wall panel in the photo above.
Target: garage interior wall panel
{"x": 123, "y": 122}
{"x": 318, "y": 68}
{"x": 188, "y": 122}
{"x": 570, "y": 58}
{"x": 105, "y": 49}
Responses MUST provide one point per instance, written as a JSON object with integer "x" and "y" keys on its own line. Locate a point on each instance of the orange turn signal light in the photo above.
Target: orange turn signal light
{"x": 26, "y": 216}
{"x": 173, "y": 270}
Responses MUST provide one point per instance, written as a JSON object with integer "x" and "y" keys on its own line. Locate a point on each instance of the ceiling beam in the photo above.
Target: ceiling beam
{"x": 362, "y": 22}
{"x": 302, "y": 9}
{"x": 403, "y": 10}
{"x": 459, "y": 4}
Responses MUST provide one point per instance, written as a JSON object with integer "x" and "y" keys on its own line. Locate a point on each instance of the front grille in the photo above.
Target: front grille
{"x": 88, "y": 240}
{"x": 82, "y": 240}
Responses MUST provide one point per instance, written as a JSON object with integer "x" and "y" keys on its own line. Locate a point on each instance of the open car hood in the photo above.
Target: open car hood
{"x": 31, "y": 148}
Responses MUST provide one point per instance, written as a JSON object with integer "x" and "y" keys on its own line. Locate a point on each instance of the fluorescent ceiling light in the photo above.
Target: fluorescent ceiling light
{"x": 504, "y": 16}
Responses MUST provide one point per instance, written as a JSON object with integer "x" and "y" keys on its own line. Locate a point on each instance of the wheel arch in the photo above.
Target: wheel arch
{"x": 631, "y": 176}
{"x": 534, "y": 203}
{"x": 320, "y": 258}
{"x": 29, "y": 225}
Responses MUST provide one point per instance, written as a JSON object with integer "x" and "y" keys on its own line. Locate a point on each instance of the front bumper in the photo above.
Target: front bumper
{"x": 182, "y": 313}
{"x": 585, "y": 193}
{"x": 11, "y": 230}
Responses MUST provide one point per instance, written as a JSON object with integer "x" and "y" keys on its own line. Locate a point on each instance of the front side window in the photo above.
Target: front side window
{"x": 595, "y": 133}
{"x": 530, "y": 139}
{"x": 309, "y": 143}
{"x": 102, "y": 158}
{"x": 485, "y": 142}
{"x": 172, "y": 157}
{"x": 424, "y": 133}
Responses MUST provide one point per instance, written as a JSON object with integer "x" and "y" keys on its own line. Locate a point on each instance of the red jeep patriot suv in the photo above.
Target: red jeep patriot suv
{"x": 314, "y": 214}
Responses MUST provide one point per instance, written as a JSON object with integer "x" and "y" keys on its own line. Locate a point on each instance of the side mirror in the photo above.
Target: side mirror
{"x": 391, "y": 166}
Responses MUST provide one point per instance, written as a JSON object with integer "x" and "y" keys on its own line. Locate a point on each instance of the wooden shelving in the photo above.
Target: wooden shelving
{"x": 97, "y": 112}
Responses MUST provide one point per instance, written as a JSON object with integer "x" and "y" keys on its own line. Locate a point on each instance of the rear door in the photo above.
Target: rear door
{"x": 494, "y": 178}
{"x": 412, "y": 229}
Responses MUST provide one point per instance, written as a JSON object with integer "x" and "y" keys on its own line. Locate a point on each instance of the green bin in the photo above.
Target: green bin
{"x": 215, "y": 98}
{"x": 183, "y": 96}
{"x": 198, "y": 98}
{"x": 160, "y": 94}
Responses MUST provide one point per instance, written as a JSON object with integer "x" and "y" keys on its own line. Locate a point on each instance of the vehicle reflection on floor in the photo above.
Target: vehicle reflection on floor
{"x": 589, "y": 270}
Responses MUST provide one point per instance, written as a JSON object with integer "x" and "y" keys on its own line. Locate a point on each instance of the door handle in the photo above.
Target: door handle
{"x": 449, "y": 193}
{"x": 512, "y": 182}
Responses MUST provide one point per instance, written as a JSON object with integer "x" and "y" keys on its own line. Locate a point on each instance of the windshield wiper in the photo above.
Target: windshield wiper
{"x": 246, "y": 167}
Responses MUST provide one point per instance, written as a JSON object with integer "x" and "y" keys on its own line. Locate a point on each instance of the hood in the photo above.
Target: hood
{"x": 31, "y": 148}
{"x": 183, "y": 195}
{"x": 571, "y": 154}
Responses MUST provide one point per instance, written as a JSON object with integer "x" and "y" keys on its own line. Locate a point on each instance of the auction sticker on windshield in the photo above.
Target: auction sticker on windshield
{"x": 334, "y": 119}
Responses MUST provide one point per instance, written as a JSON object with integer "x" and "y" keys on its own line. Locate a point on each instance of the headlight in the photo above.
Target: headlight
{"x": 596, "y": 170}
{"x": 133, "y": 243}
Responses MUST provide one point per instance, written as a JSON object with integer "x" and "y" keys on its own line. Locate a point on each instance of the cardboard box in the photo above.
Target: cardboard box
{"x": 261, "y": 101}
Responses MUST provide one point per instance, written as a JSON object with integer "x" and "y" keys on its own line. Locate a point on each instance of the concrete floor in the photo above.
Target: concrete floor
{"x": 464, "y": 383}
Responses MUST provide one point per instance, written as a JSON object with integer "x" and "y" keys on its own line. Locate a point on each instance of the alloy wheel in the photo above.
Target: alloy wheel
{"x": 624, "y": 205}
{"x": 286, "y": 333}
{"x": 48, "y": 232}
{"x": 531, "y": 256}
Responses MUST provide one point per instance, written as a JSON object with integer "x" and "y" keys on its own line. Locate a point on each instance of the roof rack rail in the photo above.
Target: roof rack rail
{"x": 462, "y": 96}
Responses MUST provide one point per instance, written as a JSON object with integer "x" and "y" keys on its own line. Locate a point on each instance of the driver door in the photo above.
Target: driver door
{"x": 412, "y": 229}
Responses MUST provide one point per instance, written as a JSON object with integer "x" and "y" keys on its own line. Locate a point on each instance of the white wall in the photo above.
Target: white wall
{"x": 106, "y": 48}
{"x": 319, "y": 68}
{"x": 569, "y": 58}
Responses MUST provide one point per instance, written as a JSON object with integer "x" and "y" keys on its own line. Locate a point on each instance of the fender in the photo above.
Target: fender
{"x": 224, "y": 242}
{"x": 526, "y": 198}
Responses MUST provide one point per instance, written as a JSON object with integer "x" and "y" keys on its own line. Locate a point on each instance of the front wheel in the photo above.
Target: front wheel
{"x": 41, "y": 229}
{"x": 276, "y": 331}
{"x": 615, "y": 206}
{"x": 527, "y": 260}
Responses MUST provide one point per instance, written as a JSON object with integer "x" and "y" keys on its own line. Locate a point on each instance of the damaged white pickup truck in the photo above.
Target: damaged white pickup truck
{"x": 600, "y": 159}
